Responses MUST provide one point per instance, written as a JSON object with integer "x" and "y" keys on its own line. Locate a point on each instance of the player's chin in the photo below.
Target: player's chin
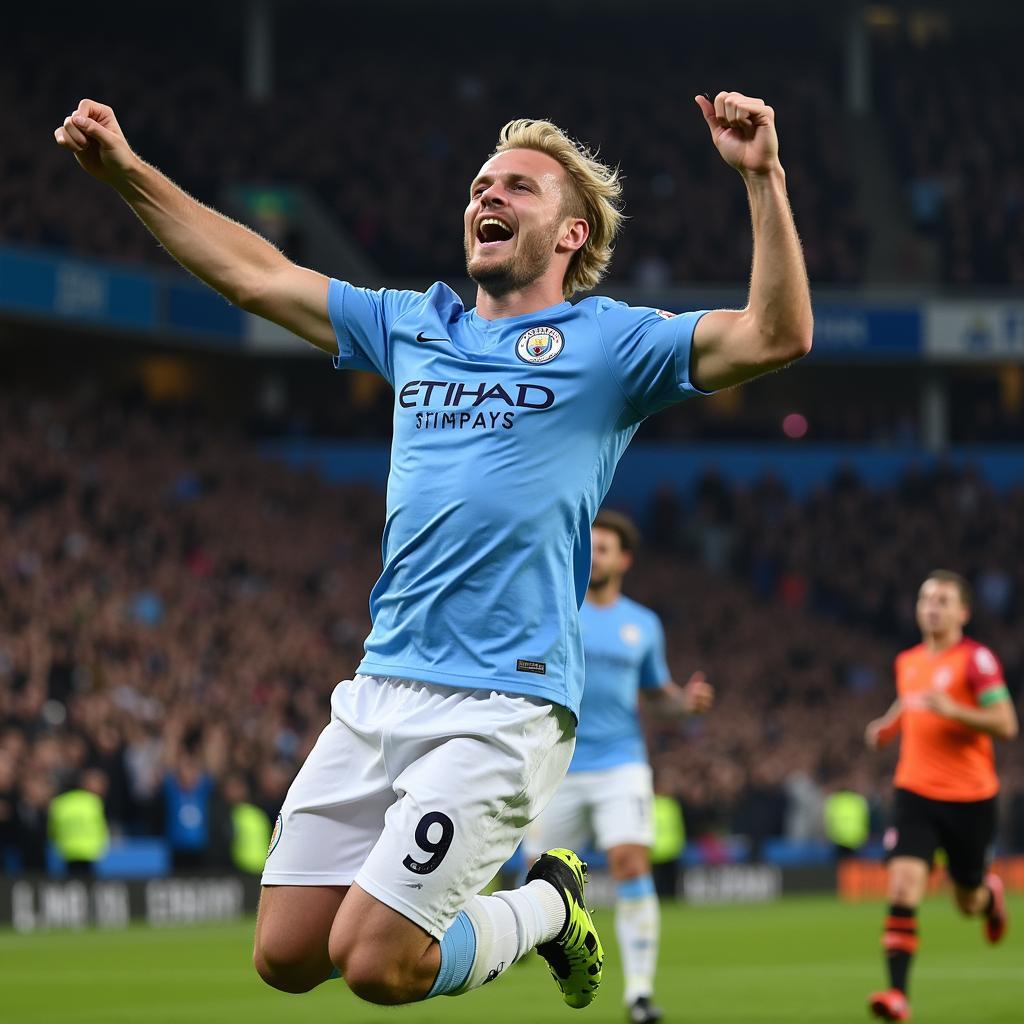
{"x": 489, "y": 267}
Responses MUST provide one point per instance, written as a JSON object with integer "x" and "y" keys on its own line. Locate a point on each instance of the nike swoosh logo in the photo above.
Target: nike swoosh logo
{"x": 422, "y": 337}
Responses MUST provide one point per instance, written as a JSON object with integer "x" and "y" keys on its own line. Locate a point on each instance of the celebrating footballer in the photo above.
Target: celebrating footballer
{"x": 459, "y": 723}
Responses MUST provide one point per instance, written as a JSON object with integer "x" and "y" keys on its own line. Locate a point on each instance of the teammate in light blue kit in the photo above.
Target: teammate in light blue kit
{"x": 509, "y": 419}
{"x": 606, "y": 798}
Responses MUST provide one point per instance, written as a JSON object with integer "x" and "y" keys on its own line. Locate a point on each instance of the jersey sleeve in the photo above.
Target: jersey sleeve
{"x": 648, "y": 351}
{"x": 362, "y": 320}
{"x": 654, "y": 671}
{"x": 985, "y": 677}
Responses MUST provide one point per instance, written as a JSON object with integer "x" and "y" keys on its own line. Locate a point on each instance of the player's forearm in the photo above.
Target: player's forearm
{"x": 779, "y": 304}
{"x": 889, "y": 727}
{"x": 224, "y": 254}
{"x": 666, "y": 703}
{"x": 997, "y": 720}
{"x": 892, "y": 716}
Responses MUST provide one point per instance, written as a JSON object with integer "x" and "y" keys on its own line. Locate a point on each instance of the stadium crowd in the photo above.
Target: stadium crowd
{"x": 175, "y": 610}
{"x": 390, "y": 137}
{"x": 970, "y": 196}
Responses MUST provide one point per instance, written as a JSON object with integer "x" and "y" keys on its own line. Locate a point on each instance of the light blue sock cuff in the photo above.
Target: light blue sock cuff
{"x": 458, "y": 950}
{"x": 635, "y": 888}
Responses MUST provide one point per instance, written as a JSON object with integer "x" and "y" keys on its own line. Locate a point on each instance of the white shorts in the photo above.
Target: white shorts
{"x": 607, "y": 808}
{"x": 419, "y": 793}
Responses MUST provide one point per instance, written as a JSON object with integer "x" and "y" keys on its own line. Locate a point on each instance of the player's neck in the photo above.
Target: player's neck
{"x": 939, "y": 642}
{"x": 604, "y": 595}
{"x": 540, "y": 294}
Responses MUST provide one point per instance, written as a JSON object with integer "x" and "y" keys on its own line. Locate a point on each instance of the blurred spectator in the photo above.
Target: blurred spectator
{"x": 8, "y": 807}
{"x": 847, "y": 821}
{"x": 32, "y": 823}
{"x": 78, "y": 824}
{"x": 188, "y": 796}
{"x": 250, "y": 829}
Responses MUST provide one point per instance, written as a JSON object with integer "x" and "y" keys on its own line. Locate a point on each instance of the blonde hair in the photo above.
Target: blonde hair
{"x": 594, "y": 195}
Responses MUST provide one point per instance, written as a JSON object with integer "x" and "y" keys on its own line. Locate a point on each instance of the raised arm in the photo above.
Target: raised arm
{"x": 245, "y": 268}
{"x": 775, "y": 328}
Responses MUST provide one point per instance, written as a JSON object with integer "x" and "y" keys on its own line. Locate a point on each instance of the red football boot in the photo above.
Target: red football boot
{"x": 995, "y": 919}
{"x": 890, "y": 1005}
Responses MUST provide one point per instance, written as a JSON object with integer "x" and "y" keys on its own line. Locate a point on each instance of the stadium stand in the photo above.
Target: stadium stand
{"x": 390, "y": 139}
{"x": 970, "y": 196}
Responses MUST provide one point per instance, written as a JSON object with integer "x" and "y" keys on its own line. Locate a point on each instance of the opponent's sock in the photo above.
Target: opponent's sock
{"x": 899, "y": 940}
{"x": 493, "y": 932}
{"x": 637, "y": 921}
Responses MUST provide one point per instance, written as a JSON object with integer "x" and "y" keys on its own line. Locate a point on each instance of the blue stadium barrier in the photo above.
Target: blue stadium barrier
{"x": 862, "y": 327}
{"x": 144, "y": 302}
{"x": 648, "y": 466}
{"x": 126, "y": 858}
{"x": 791, "y": 853}
{"x": 718, "y": 850}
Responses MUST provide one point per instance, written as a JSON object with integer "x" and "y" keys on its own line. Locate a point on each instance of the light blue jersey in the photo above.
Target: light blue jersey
{"x": 625, "y": 653}
{"x": 506, "y": 435}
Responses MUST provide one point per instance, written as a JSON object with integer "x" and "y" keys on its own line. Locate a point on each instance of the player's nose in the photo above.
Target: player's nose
{"x": 492, "y": 195}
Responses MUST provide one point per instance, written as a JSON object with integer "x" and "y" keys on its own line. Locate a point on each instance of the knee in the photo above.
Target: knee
{"x": 284, "y": 970}
{"x": 967, "y": 901}
{"x": 901, "y": 893}
{"x": 375, "y": 976}
{"x": 905, "y": 887}
{"x": 629, "y": 864}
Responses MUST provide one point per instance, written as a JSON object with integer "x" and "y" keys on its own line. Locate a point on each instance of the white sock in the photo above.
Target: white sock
{"x": 637, "y": 920}
{"x": 539, "y": 910}
{"x": 510, "y": 924}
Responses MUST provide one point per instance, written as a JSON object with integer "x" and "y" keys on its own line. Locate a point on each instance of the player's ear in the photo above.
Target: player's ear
{"x": 575, "y": 233}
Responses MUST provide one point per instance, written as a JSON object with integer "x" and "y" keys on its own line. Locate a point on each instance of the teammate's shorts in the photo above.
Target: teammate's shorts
{"x": 419, "y": 793}
{"x": 965, "y": 830}
{"x": 608, "y": 808}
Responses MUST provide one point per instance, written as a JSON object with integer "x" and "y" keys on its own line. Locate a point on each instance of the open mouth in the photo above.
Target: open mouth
{"x": 492, "y": 230}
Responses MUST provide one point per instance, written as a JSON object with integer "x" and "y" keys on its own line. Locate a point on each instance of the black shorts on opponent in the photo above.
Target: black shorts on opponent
{"x": 965, "y": 830}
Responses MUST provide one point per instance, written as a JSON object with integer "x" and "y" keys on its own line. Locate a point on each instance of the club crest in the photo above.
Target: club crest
{"x": 539, "y": 345}
{"x": 630, "y": 634}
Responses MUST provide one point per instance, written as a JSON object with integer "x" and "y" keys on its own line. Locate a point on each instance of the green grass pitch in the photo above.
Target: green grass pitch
{"x": 803, "y": 959}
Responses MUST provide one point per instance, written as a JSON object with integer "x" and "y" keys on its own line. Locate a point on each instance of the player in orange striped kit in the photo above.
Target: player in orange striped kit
{"x": 951, "y": 701}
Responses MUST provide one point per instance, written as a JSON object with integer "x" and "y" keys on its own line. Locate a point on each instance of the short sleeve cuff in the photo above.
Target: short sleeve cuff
{"x": 336, "y": 312}
{"x": 685, "y": 324}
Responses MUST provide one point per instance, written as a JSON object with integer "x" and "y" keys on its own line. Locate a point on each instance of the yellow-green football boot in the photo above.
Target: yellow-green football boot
{"x": 574, "y": 956}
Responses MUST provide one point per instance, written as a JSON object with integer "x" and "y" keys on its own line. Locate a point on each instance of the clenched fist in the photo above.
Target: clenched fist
{"x": 743, "y": 130}
{"x": 698, "y": 695}
{"x": 92, "y": 133}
